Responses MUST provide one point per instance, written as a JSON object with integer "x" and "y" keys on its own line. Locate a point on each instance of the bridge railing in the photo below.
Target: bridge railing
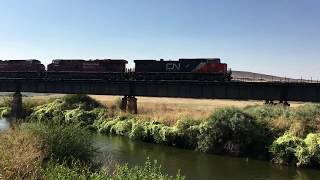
{"x": 279, "y": 80}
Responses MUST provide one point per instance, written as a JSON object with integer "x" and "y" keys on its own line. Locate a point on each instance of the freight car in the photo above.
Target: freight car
{"x": 87, "y": 69}
{"x": 30, "y": 68}
{"x": 209, "y": 69}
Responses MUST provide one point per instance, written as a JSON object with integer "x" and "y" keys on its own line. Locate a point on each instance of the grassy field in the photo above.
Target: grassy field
{"x": 169, "y": 110}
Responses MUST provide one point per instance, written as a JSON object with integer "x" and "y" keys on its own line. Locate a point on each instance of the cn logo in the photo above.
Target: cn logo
{"x": 172, "y": 67}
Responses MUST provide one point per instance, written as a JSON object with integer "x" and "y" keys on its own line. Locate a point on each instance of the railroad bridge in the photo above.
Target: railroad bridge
{"x": 237, "y": 90}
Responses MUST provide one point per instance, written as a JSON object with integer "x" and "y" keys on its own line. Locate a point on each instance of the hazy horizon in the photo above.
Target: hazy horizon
{"x": 277, "y": 37}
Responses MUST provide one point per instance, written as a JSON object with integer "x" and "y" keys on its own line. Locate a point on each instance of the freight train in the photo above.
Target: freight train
{"x": 201, "y": 69}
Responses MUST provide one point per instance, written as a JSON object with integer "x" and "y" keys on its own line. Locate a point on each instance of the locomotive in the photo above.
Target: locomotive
{"x": 21, "y": 68}
{"x": 111, "y": 69}
{"x": 208, "y": 69}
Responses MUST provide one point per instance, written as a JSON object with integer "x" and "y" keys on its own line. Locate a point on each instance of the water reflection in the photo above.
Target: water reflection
{"x": 4, "y": 124}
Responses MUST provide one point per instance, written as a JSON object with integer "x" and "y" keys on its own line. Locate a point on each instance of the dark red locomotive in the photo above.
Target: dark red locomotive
{"x": 184, "y": 69}
{"x": 85, "y": 69}
{"x": 21, "y": 68}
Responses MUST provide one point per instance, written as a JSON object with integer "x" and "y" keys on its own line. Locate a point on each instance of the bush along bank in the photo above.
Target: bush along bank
{"x": 71, "y": 109}
{"x": 281, "y": 134}
{"x": 227, "y": 131}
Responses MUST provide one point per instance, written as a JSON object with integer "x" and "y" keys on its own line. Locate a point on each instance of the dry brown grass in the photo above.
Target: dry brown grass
{"x": 280, "y": 123}
{"x": 169, "y": 110}
{"x": 20, "y": 155}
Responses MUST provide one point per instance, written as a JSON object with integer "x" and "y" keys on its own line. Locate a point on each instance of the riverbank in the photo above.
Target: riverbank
{"x": 56, "y": 149}
{"x": 193, "y": 164}
{"x": 280, "y": 134}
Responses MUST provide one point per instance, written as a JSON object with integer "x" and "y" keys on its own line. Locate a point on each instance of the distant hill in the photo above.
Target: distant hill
{"x": 251, "y": 76}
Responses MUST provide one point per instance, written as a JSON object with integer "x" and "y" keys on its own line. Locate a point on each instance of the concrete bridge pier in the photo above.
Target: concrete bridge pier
{"x": 124, "y": 103}
{"x": 16, "y": 106}
{"x": 132, "y": 105}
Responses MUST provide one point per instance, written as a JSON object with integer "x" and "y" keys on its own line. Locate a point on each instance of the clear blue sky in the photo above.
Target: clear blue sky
{"x": 280, "y": 37}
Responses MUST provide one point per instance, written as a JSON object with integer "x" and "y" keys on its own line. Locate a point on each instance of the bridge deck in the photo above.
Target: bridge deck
{"x": 306, "y": 92}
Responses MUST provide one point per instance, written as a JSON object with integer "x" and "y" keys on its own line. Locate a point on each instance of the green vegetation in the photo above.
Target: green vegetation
{"x": 148, "y": 171}
{"x": 231, "y": 131}
{"x": 278, "y": 133}
{"x": 5, "y": 107}
{"x": 63, "y": 143}
{"x": 72, "y": 109}
{"x": 290, "y": 149}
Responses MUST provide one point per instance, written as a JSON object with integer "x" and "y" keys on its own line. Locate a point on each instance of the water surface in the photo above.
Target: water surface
{"x": 197, "y": 165}
{"x": 4, "y": 124}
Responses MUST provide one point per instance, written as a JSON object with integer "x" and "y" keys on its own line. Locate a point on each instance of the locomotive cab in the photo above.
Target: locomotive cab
{"x": 184, "y": 69}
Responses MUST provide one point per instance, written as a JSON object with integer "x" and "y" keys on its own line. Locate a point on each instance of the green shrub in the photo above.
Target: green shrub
{"x": 152, "y": 130}
{"x": 284, "y": 149}
{"x": 5, "y": 106}
{"x": 309, "y": 155}
{"x": 79, "y": 115}
{"x": 72, "y": 101}
{"x": 64, "y": 142}
{"x": 148, "y": 171}
{"x": 48, "y": 112}
{"x": 68, "y": 110}
{"x": 28, "y": 106}
{"x": 268, "y": 112}
{"x": 169, "y": 135}
{"x": 138, "y": 131}
{"x": 121, "y": 127}
{"x": 5, "y": 112}
{"x": 292, "y": 150}
{"x": 188, "y": 132}
{"x": 313, "y": 144}
{"x": 56, "y": 170}
{"x": 104, "y": 126}
{"x": 231, "y": 131}
{"x": 186, "y": 123}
